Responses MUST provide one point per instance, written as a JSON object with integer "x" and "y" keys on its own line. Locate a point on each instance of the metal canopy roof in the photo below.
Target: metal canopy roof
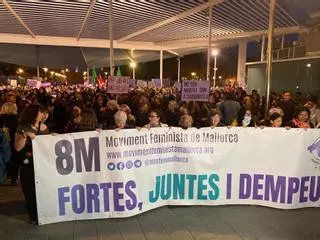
{"x": 176, "y": 26}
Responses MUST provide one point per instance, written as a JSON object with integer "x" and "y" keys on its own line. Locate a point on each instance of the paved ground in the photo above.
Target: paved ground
{"x": 181, "y": 223}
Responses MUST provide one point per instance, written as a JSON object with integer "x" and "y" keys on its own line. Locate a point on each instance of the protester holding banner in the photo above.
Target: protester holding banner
{"x": 154, "y": 120}
{"x": 301, "y": 120}
{"x": 131, "y": 120}
{"x": 30, "y": 125}
{"x": 248, "y": 119}
{"x": 275, "y": 120}
{"x": 120, "y": 119}
{"x": 186, "y": 122}
{"x": 215, "y": 120}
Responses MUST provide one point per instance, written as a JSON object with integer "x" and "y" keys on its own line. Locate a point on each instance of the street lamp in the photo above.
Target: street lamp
{"x": 133, "y": 65}
{"x": 215, "y": 53}
{"x": 20, "y": 71}
{"x": 193, "y": 74}
{"x": 52, "y": 73}
{"x": 45, "y": 69}
{"x": 308, "y": 73}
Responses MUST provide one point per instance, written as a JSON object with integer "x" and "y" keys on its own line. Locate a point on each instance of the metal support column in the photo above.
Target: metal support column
{"x": 161, "y": 67}
{"x": 133, "y": 73}
{"x": 215, "y": 72}
{"x": 111, "y": 38}
{"x": 209, "y": 44}
{"x": 242, "y": 59}
{"x": 263, "y": 46}
{"x": 179, "y": 68}
{"x": 269, "y": 60}
{"x": 282, "y": 41}
{"x": 37, "y": 61}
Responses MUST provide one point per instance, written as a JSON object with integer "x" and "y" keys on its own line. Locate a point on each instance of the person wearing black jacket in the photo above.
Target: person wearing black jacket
{"x": 288, "y": 108}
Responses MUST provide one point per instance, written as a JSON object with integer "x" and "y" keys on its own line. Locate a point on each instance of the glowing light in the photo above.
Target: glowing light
{"x": 215, "y": 52}
{"x": 59, "y": 75}
{"x": 309, "y": 65}
{"x": 20, "y": 71}
{"x": 45, "y": 69}
{"x": 133, "y": 64}
{"x": 193, "y": 74}
{"x": 67, "y": 70}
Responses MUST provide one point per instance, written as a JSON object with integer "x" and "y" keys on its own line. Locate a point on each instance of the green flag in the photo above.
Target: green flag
{"x": 119, "y": 72}
{"x": 94, "y": 76}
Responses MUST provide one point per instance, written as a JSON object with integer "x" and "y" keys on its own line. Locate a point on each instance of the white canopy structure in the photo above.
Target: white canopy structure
{"x": 176, "y": 27}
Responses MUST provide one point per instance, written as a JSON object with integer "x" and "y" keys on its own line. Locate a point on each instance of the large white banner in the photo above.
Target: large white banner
{"x": 120, "y": 174}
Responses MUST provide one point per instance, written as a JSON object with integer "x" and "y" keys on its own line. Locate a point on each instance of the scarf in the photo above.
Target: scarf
{"x": 300, "y": 124}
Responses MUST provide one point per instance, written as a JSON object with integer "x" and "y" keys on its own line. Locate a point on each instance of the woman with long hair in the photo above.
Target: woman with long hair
{"x": 29, "y": 126}
{"x": 215, "y": 120}
{"x": 186, "y": 122}
{"x": 131, "y": 120}
{"x": 89, "y": 121}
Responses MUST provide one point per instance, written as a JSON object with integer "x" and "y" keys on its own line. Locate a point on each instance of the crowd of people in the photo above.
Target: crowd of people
{"x": 25, "y": 113}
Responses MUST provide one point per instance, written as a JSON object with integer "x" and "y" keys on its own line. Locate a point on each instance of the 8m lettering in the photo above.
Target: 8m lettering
{"x": 65, "y": 162}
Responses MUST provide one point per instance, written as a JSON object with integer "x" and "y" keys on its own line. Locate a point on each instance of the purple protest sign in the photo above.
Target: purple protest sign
{"x": 193, "y": 90}
{"x": 157, "y": 83}
{"x": 118, "y": 84}
{"x": 141, "y": 83}
{"x": 177, "y": 85}
{"x": 132, "y": 82}
{"x": 32, "y": 83}
{"x": 46, "y": 84}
